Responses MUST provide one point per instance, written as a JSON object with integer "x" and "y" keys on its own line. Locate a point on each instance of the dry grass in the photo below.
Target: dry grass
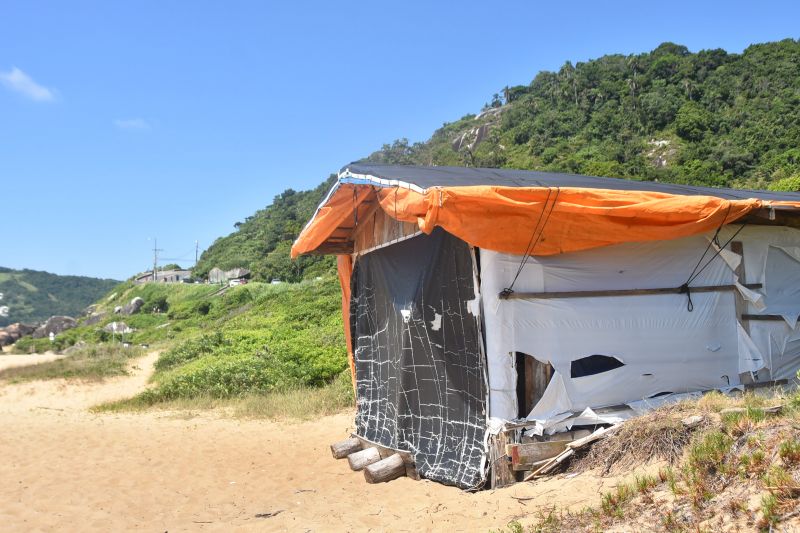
{"x": 735, "y": 471}
{"x": 295, "y": 404}
{"x": 658, "y": 436}
{"x": 90, "y": 363}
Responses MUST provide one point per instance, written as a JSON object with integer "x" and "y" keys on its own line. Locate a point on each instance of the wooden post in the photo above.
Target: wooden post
{"x": 387, "y": 469}
{"x": 360, "y": 459}
{"x": 741, "y": 304}
{"x": 502, "y": 474}
{"x": 343, "y": 448}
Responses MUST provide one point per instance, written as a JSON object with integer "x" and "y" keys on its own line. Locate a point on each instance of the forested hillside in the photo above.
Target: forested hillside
{"x": 34, "y": 296}
{"x": 709, "y": 118}
{"x": 704, "y": 118}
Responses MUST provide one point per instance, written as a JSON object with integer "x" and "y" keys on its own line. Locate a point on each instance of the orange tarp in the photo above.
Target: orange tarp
{"x": 344, "y": 267}
{"x": 504, "y": 218}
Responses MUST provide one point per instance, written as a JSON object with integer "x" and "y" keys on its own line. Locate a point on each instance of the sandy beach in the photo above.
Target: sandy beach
{"x": 66, "y": 468}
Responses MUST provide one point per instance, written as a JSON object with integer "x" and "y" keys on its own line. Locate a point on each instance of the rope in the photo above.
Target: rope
{"x": 534, "y": 240}
{"x": 685, "y": 288}
{"x": 714, "y": 240}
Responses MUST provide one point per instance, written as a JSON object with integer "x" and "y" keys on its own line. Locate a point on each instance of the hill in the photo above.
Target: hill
{"x": 33, "y": 296}
{"x": 706, "y": 118}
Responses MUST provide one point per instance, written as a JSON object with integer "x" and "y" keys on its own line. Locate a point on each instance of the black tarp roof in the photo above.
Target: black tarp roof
{"x": 427, "y": 177}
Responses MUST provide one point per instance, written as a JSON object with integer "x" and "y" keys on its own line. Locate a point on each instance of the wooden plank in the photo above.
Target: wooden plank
{"x": 523, "y": 456}
{"x": 384, "y": 470}
{"x": 343, "y": 448}
{"x": 747, "y": 316}
{"x": 740, "y": 305}
{"x": 623, "y": 292}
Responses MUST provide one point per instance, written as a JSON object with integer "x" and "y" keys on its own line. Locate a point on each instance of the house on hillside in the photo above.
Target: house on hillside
{"x": 487, "y": 306}
{"x": 164, "y": 276}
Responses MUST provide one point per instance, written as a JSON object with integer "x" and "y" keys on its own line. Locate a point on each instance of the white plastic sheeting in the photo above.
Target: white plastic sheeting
{"x": 664, "y": 348}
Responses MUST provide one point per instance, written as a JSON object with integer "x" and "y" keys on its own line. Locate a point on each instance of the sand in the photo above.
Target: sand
{"x": 65, "y": 468}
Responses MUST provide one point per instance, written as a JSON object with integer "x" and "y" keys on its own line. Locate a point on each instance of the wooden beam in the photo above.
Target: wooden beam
{"x": 500, "y": 463}
{"x": 343, "y": 448}
{"x": 761, "y": 317}
{"x": 359, "y": 460}
{"x": 778, "y": 217}
{"x": 621, "y": 292}
{"x": 740, "y": 305}
{"x": 384, "y": 470}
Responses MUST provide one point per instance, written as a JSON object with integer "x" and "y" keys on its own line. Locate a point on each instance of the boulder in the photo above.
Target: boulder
{"x": 14, "y": 332}
{"x": 133, "y": 307}
{"x": 118, "y": 328}
{"x": 54, "y": 325}
{"x": 94, "y": 318}
{"x": 117, "y": 309}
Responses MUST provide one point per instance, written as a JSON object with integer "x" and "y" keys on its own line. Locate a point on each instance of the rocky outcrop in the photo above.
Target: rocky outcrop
{"x": 133, "y": 307}
{"x": 55, "y": 325}
{"x": 94, "y": 318}
{"x": 14, "y": 332}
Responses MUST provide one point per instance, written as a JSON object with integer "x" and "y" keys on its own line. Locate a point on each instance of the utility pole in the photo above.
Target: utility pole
{"x": 196, "y": 247}
{"x": 156, "y": 249}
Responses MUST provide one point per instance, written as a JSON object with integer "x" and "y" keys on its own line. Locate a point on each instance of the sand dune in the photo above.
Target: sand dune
{"x": 65, "y": 468}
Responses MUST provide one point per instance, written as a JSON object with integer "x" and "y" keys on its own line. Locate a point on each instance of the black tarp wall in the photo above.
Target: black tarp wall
{"x": 420, "y": 371}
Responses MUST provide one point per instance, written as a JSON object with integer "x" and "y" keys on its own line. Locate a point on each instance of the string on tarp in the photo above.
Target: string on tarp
{"x": 685, "y": 288}
{"x": 355, "y": 207}
{"x": 534, "y": 240}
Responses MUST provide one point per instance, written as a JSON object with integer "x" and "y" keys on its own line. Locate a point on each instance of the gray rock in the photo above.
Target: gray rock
{"x": 118, "y": 328}
{"x": 94, "y": 318}
{"x": 133, "y": 307}
{"x": 117, "y": 309}
{"x": 55, "y": 325}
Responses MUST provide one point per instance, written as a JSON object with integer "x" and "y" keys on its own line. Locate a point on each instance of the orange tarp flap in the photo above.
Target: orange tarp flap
{"x": 344, "y": 267}
{"x": 336, "y": 211}
{"x": 504, "y": 218}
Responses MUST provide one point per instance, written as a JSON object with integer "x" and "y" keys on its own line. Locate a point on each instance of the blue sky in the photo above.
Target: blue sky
{"x": 121, "y": 121}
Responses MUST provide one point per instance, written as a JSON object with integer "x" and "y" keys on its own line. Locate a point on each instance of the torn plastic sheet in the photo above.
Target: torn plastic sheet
{"x": 755, "y": 298}
{"x": 612, "y": 415}
{"x": 782, "y": 283}
{"x": 750, "y": 357}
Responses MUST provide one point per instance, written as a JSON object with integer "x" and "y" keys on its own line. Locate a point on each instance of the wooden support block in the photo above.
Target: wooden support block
{"x": 343, "y": 448}
{"x": 524, "y": 455}
{"x": 501, "y": 473}
{"x": 387, "y": 469}
{"x": 359, "y": 460}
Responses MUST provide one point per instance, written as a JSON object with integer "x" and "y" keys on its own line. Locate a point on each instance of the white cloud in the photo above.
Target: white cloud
{"x": 17, "y": 81}
{"x": 132, "y": 124}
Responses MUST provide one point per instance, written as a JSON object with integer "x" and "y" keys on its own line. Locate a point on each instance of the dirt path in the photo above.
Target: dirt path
{"x": 11, "y": 361}
{"x": 63, "y": 467}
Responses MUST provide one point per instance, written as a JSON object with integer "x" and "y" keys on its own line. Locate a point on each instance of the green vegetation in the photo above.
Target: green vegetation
{"x": 34, "y": 296}
{"x": 705, "y": 118}
{"x": 222, "y": 343}
{"x": 88, "y": 363}
{"x": 262, "y": 242}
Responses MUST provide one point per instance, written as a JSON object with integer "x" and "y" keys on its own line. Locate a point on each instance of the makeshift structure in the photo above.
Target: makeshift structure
{"x": 483, "y": 299}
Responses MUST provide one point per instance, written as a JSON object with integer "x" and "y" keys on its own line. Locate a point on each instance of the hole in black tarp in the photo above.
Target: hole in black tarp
{"x": 593, "y": 364}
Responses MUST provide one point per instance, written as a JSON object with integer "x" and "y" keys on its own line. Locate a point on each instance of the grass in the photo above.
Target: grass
{"x": 743, "y": 466}
{"x": 300, "y": 403}
{"x": 88, "y": 363}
